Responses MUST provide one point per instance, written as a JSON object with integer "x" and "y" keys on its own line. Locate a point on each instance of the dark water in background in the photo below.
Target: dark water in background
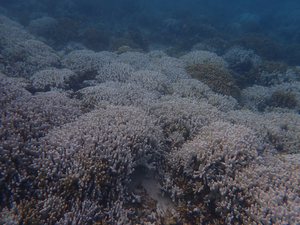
{"x": 179, "y": 24}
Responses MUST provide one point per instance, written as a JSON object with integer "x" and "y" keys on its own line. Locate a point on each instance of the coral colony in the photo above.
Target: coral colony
{"x": 92, "y": 134}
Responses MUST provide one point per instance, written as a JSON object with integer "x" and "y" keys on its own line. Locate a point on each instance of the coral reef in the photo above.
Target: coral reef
{"x": 268, "y": 73}
{"x": 150, "y": 80}
{"x": 227, "y": 175}
{"x": 145, "y": 138}
{"x": 155, "y": 61}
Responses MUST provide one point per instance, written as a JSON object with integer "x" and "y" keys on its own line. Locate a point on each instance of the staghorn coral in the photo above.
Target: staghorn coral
{"x": 94, "y": 161}
{"x": 137, "y": 60}
{"x": 26, "y": 118}
{"x": 203, "y": 171}
{"x": 266, "y": 73}
{"x": 156, "y": 61}
{"x": 12, "y": 32}
{"x": 195, "y": 89}
{"x": 269, "y": 189}
{"x": 28, "y": 57}
{"x": 34, "y": 113}
{"x": 81, "y": 176}
{"x": 170, "y": 67}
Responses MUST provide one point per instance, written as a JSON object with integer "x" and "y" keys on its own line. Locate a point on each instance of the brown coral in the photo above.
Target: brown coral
{"x": 95, "y": 39}
{"x": 217, "y": 78}
{"x": 283, "y": 100}
{"x": 262, "y": 45}
{"x": 66, "y": 30}
{"x": 119, "y": 42}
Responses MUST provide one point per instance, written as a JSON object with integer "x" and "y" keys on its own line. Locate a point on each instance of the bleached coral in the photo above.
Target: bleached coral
{"x": 22, "y": 53}
{"x": 150, "y": 80}
{"x": 182, "y": 118}
{"x": 118, "y": 94}
{"x": 139, "y": 61}
{"x": 98, "y": 151}
{"x": 31, "y": 115}
{"x": 12, "y": 33}
{"x": 282, "y": 129}
{"x": 270, "y": 190}
{"x": 54, "y": 78}
{"x": 219, "y": 149}
{"x": 208, "y": 166}
{"x": 171, "y": 67}
{"x": 119, "y": 72}
{"x": 85, "y": 160}
{"x": 87, "y": 62}
{"x": 26, "y": 118}
{"x": 27, "y": 57}
{"x": 155, "y": 61}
